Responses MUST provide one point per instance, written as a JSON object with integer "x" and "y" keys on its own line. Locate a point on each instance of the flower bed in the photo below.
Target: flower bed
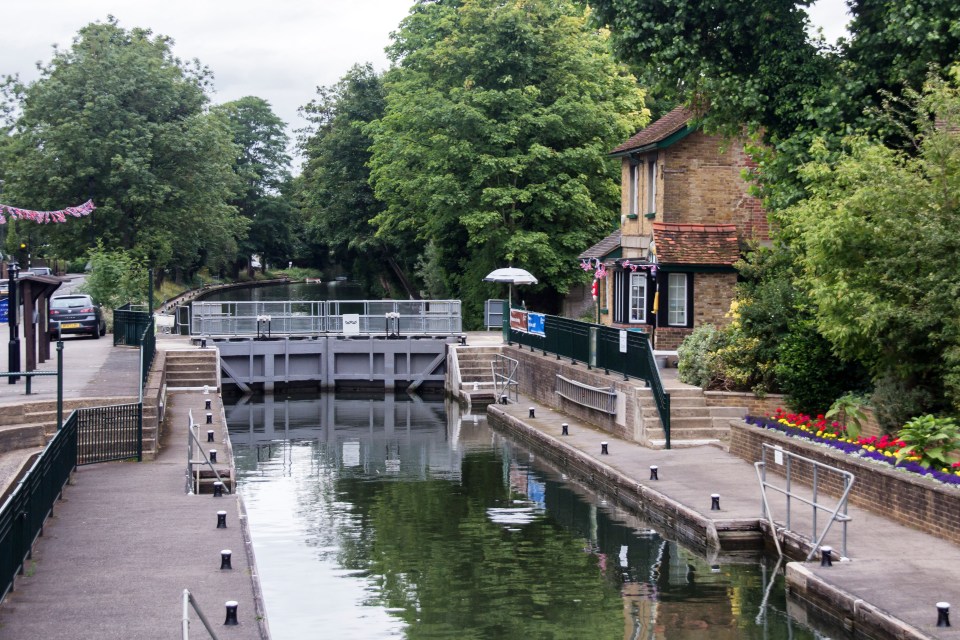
{"x": 882, "y": 449}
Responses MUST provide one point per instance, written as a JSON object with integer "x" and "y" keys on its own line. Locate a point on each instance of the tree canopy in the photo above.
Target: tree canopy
{"x": 492, "y": 148}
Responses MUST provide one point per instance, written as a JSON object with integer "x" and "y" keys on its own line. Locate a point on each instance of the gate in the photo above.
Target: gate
{"x": 109, "y": 433}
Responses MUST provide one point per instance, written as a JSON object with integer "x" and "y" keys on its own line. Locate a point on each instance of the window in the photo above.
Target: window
{"x": 638, "y": 297}
{"x": 677, "y": 300}
{"x": 634, "y": 194}
{"x": 652, "y": 187}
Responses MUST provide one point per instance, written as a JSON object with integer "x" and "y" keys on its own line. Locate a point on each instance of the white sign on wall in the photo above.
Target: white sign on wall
{"x": 351, "y": 324}
{"x": 623, "y": 341}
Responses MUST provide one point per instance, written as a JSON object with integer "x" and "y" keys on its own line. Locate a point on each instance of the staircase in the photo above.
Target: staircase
{"x": 476, "y": 375}
{"x": 192, "y": 369}
{"x": 692, "y": 422}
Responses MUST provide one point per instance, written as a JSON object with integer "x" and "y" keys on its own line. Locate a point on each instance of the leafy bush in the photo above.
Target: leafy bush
{"x": 848, "y": 410}
{"x": 696, "y": 355}
{"x": 808, "y": 372}
{"x": 895, "y": 402}
{"x": 931, "y": 439}
{"x": 116, "y": 278}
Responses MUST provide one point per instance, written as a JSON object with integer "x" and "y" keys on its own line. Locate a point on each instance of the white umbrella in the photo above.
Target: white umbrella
{"x": 512, "y": 276}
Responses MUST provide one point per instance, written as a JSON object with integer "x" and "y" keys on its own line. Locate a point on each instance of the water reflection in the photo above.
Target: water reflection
{"x": 398, "y": 517}
{"x": 335, "y": 290}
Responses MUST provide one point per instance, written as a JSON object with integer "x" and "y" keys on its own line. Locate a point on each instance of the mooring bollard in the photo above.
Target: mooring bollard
{"x": 603, "y": 449}
{"x": 217, "y": 489}
{"x": 532, "y": 412}
{"x": 231, "y": 613}
{"x": 564, "y": 429}
{"x": 213, "y": 455}
{"x": 715, "y": 502}
{"x": 943, "y": 614}
{"x": 209, "y": 418}
{"x": 203, "y": 343}
{"x": 826, "y": 556}
{"x": 653, "y": 472}
{"x": 221, "y": 519}
{"x": 207, "y": 404}
{"x": 225, "y": 559}
{"x": 206, "y": 389}
{"x": 210, "y": 435}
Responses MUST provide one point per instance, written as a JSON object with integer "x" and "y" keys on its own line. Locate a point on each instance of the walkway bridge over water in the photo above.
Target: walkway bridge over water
{"x": 342, "y": 344}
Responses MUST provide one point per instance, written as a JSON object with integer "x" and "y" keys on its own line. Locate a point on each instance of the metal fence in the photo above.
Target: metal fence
{"x": 148, "y": 349}
{"x": 129, "y": 323}
{"x": 623, "y": 351}
{"x": 109, "y": 433}
{"x": 312, "y": 318}
{"x": 25, "y": 510}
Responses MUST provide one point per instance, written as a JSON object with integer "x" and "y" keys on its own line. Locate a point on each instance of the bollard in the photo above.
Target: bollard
{"x": 943, "y": 614}
{"x": 213, "y": 455}
{"x": 532, "y": 412}
{"x": 603, "y": 449}
{"x": 826, "y": 556}
{"x": 221, "y": 519}
{"x": 207, "y": 404}
{"x": 225, "y": 559}
{"x": 210, "y": 435}
{"x": 231, "y": 613}
{"x": 564, "y": 429}
{"x": 203, "y": 343}
{"x": 653, "y": 472}
{"x": 209, "y": 418}
{"x": 206, "y": 389}
{"x": 217, "y": 489}
{"x": 715, "y": 502}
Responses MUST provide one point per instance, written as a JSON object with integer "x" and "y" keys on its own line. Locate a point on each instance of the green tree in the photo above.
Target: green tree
{"x": 492, "y": 147}
{"x": 118, "y": 119}
{"x": 262, "y": 165}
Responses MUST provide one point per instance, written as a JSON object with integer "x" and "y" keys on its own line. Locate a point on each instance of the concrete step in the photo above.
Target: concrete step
{"x": 25, "y": 436}
{"x": 176, "y": 367}
{"x": 727, "y": 412}
{"x": 680, "y": 423}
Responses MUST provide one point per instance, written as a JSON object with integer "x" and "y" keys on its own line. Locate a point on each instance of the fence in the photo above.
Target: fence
{"x": 148, "y": 349}
{"x": 129, "y": 323}
{"x": 24, "y": 512}
{"x": 623, "y": 351}
{"x": 311, "y": 318}
{"x": 108, "y": 433}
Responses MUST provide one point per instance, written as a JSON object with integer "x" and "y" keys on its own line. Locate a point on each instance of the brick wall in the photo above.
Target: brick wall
{"x": 669, "y": 338}
{"x": 913, "y": 501}
{"x": 712, "y": 294}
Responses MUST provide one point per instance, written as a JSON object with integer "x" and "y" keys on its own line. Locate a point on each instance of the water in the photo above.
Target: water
{"x": 400, "y": 518}
{"x": 335, "y": 290}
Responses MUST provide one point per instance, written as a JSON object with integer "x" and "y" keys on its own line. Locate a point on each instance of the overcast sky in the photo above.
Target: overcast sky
{"x": 279, "y": 50}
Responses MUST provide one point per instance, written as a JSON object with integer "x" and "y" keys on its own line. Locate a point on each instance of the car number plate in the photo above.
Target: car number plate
{"x": 70, "y": 325}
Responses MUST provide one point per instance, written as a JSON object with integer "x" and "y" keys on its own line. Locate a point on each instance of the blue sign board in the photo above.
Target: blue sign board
{"x": 4, "y": 306}
{"x": 536, "y": 324}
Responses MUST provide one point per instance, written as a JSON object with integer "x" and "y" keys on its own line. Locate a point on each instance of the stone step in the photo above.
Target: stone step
{"x": 682, "y": 423}
{"x": 24, "y": 436}
{"x": 176, "y": 367}
{"x": 728, "y": 412}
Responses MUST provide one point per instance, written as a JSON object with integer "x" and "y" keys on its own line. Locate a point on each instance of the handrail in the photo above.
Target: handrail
{"x": 190, "y": 601}
{"x": 503, "y": 383}
{"x": 599, "y": 398}
{"x": 190, "y": 461}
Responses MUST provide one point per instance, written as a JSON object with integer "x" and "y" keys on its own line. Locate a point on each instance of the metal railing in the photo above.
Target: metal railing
{"x": 623, "y": 351}
{"x": 838, "y": 513}
{"x": 26, "y": 509}
{"x": 30, "y": 374}
{"x": 194, "y": 465}
{"x": 505, "y": 385}
{"x": 314, "y": 318}
{"x": 112, "y": 432}
{"x": 148, "y": 349}
{"x": 601, "y": 399}
{"x": 190, "y": 601}
{"x": 129, "y": 323}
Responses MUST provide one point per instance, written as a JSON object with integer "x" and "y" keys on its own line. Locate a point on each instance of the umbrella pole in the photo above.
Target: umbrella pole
{"x": 510, "y": 294}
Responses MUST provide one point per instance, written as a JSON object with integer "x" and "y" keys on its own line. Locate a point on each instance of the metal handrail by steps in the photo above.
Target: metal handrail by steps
{"x": 190, "y": 601}
{"x": 505, "y": 384}
{"x": 191, "y": 463}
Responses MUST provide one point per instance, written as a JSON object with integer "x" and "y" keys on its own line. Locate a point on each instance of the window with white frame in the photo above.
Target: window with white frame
{"x": 638, "y": 297}
{"x": 652, "y": 187}
{"x": 677, "y": 299}
{"x": 633, "y": 197}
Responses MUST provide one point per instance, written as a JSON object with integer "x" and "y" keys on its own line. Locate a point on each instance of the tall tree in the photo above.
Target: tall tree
{"x": 117, "y": 118}
{"x": 492, "y": 148}
{"x": 263, "y": 167}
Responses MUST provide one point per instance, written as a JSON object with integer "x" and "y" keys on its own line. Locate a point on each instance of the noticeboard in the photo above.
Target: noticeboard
{"x": 4, "y": 309}
{"x": 536, "y": 324}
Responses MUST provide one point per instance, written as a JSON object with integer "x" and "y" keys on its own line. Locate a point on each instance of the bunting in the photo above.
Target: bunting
{"x": 46, "y": 217}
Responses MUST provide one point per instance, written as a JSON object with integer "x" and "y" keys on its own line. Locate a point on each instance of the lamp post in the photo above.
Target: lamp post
{"x": 13, "y": 353}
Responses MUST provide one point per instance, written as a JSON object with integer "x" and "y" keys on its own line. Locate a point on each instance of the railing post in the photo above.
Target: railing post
{"x": 59, "y": 384}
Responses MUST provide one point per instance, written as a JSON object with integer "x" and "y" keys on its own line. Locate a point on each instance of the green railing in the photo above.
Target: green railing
{"x": 148, "y": 349}
{"x": 113, "y": 432}
{"x": 627, "y": 352}
{"x": 129, "y": 323}
{"x": 25, "y": 510}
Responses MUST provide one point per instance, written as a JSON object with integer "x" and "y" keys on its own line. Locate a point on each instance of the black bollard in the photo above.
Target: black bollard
{"x": 207, "y": 404}
{"x": 533, "y": 412}
{"x": 209, "y": 418}
{"x": 210, "y": 435}
{"x": 603, "y": 449}
{"x": 826, "y": 556}
{"x": 213, "y": 455}
{"x": 217, "y": 489}
{"x": 653, "y": 472}
{"x": 715, "y": 502}
{"x": 203, "y": 343}
{"x": 943, "y": 614}
{"x": 564, "y": 429}
{"x": 225, "y": 559}
{"x": 231, "y": 613}
{"x": 221, "y": 519}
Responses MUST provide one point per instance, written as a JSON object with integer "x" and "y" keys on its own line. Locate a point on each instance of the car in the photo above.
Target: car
{"x": 41, "y": 271}
{"x": 77, "y": 313}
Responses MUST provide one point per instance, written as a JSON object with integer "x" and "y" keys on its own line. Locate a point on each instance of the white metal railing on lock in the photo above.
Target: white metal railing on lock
{"x": 190, "y": 601}
{"x": 506, "y": 388}
{"x": 837, "y": 513}
{"x": 194, "y": 465}
{"x": 599, "y": 398}
{"x": 394, "y": 318}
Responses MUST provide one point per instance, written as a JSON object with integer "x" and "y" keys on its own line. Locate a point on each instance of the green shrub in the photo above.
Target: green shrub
{"x": 895, "y": 402}
{"x": 931, "y": 438}
{"x": 808, "y": 372}
{"x": 696, "y": 360}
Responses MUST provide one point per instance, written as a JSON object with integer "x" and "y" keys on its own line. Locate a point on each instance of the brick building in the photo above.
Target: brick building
{"x": 686, "y": 215}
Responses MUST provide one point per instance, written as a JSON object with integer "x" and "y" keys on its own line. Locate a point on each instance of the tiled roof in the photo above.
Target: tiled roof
{"x": 659, "y": 130}
{"x": 705, "y": 244}
{"x": 603, "y": 247}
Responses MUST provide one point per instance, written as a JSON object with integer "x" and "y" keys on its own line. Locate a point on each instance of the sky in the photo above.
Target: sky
{"x": 280, "y": 50}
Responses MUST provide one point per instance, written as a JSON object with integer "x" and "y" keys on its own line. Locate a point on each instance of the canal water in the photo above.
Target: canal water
{"x": 399, "y": 517}
{"x": 294, "y": 291}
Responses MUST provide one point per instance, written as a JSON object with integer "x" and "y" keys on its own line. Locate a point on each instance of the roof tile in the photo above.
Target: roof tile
{"x": 659, "y": 130}
{"x": 706, "y": 244}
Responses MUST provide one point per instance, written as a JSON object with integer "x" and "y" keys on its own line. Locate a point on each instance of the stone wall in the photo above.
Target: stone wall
{"x": 754, "y": 405}
{"x": 912, "y": 500}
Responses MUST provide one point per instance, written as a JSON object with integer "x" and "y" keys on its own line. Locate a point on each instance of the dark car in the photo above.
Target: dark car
{"x": 77, "y": 313}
